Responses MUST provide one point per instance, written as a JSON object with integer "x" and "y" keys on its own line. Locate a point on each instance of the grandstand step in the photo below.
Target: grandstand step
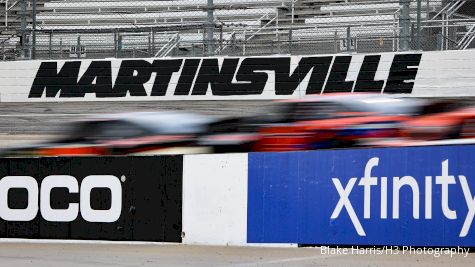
{"x": 319, "y": 2}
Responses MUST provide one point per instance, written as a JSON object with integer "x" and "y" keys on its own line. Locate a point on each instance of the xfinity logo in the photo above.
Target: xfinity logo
{"x": 39, "y": 198}
{"x": 369, "y": 182}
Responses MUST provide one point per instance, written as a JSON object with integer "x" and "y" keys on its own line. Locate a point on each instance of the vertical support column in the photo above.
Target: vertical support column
{"x": 50, "y": 45}
{"x": 150, "y": 44}
{"x": 210, "y": 25}
{"x": 115, "y": 44}
{"x": 277, "y": 34}
{"x": 153, "y": 43}
{"x": 33, "y": 25}
{"x": 348, "y": 38}
{"x": 78, "y": 47}
{"x": 221, "y": 40}
{"x": 23, "y": 28}
{"x": 291, "y": 26}
{"x": 427, "y": 10}
{"x": 119, "y": 45}
{"x": 244, "y": 45}
{"x": 405, "y": 24}
{"x": 60, "y": 47}
{"x": 6, "y": 13}
{"x": 443, "y": 33}
{"x": 418, "y": 37}
{"x": 335, "y": 42}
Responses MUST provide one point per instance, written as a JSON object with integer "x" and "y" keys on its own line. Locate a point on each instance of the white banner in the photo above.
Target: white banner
{"x": 428, "y": 74}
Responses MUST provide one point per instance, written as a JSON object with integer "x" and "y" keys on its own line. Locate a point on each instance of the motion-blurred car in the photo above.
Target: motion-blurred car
{"x": 138, "y": 133}
{"x": 441, "y": 120}
{"x": 315, "y": 122}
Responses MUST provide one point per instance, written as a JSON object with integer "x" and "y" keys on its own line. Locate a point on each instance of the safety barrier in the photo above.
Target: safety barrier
{"x": 410, "y": 196}
{"x": 420, "y": 74}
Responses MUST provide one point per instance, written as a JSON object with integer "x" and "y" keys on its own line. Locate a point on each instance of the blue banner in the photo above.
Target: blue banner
{"x": 419, "y": 196}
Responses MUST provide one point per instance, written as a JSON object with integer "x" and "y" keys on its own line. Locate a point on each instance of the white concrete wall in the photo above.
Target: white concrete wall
{"x": 440, "y": 74}
{"x": 443, "y": 74}
{"x": 215, "y": 199}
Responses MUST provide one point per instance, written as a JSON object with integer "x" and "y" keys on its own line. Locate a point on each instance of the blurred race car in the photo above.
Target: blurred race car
{"x": 441, "y": 120}
{"x": 137, "y": 133}
{"x": 315, "y": 122}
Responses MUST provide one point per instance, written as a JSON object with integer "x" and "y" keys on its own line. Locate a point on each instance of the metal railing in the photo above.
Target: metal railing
{"x": 116, "y": 28}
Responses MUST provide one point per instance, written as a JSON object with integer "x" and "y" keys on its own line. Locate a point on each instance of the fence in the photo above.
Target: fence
{"x": 115, "y": 28}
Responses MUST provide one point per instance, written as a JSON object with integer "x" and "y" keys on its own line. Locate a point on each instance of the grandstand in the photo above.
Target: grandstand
{"x": 120, "y": 28}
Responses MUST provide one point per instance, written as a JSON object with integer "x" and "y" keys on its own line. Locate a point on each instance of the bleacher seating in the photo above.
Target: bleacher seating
{"x": 241, "y": 26}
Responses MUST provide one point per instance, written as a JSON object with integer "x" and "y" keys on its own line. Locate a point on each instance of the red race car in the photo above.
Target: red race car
{"x": 315, "y": 122}
{"x": 441, "y": 120}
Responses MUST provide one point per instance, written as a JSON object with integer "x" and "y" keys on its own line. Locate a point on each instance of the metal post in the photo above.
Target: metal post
{"x": 405, "y": 24}
{"x": 418, "y": 36}
{"x": 291, "y": 27}
{"x": 115, "y": 44}
{"x": 153, "y": 43}
{"x": 23, "y": 28}
{"x": 33, "y": 25}
{"x": 119, "y": 45}
{"x": 50, "y": 47}
{"x": 6, "y": 13}
{"x": 150, "y": 44}
{"x": 204, "y": 42}
{"x": 348, "y": 39}
{"x": 428, "y": 10}
{"x": 336, "y": 42}
{"x": 277, "y": 35}
{"x": 221, "y": 40}
{"x": 439, "y": 41}
{"x": 78, "y": 47}
{"x": 243, "y": 53}
{"x": 210, "y": 27}
{"x": 60, "y": 47}
{"x": 443, "y": 31}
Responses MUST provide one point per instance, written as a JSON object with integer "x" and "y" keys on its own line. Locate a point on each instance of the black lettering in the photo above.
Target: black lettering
{"x": 287, "y": 83}
{"x": 403, "y": 69}
{"x": 132, "y": 76}
{"x": 220, "y": 80}
{"x": 255, "y": 81}
{"x": 336, "y": 80}
{"x": 365, "y": 81}
{"x": 97, "y": 79}
{"x": 164, "y": 70}
{"x": 53, "y": 82}
{"x": 187, "y": 76}
{"x": 320, "y": 67}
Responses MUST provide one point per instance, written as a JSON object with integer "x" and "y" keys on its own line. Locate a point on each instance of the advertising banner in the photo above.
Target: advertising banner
{"x": 112, "y": 198}
{"x": 418, "y": 196}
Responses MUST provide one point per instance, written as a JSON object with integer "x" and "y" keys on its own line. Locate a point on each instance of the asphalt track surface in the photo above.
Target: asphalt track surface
{"x": 26, "y": 123}
{"x": 47, "y": 118}
{"x": 89, "y": 254}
